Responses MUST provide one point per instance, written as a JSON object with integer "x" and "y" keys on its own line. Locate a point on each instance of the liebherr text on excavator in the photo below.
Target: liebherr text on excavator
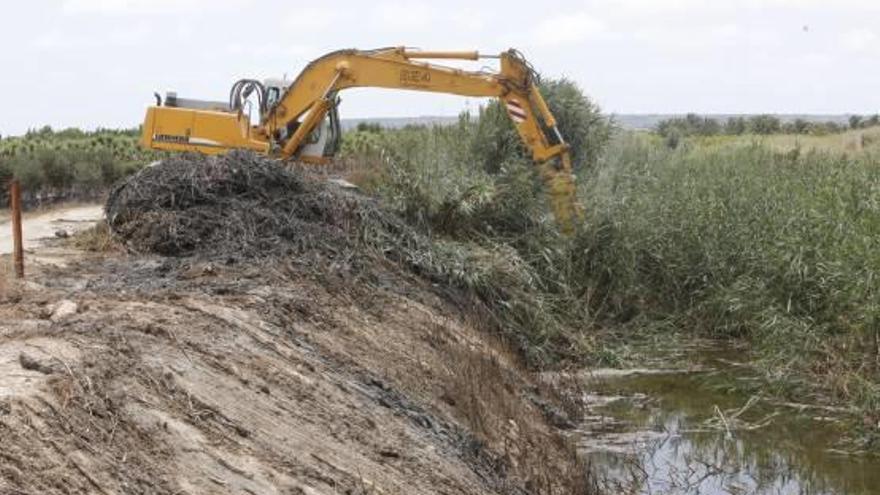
{"x": 299, "y": 120}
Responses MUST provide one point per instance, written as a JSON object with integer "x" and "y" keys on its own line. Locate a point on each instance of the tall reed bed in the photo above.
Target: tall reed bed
{"x": 743, "y": 241}
{"x": 733, "y": 240}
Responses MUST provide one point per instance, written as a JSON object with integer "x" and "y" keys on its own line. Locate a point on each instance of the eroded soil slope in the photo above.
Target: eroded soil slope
{"x": 284, "y": 374}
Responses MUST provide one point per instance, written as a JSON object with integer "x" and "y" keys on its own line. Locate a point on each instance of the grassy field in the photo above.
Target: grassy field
{"x": 852, "y": 141}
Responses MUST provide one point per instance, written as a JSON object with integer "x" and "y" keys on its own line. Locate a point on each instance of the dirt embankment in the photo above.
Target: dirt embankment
{"x": 325, "y": 370}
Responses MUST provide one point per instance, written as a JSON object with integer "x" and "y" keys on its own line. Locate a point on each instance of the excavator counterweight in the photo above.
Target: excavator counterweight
{"x": 299, "y": 120}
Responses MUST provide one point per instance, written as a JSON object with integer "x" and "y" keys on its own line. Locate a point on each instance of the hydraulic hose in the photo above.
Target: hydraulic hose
{"x": 241, "y": 91}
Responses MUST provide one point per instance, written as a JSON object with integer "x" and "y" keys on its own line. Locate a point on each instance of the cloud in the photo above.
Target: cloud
{"x": 848, "y": 4}
{"x": 312, "y": 19}
{"x": 60, "y": 41}
{"x": 144, "y": 7}
{"x": 468, "y": 19}
{"x": 402, "y": 16}
{"x": 712, "y": 37}
{"x": 271, "y": 50}
{"x": 741, "y": 49}
{"x": 566, "y": 29}
{"x": 653, "y": 6}
{"x": 860, "y": 40}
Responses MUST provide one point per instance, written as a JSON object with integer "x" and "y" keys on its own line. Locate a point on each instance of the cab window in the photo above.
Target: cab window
{"x": 273, "y": 94}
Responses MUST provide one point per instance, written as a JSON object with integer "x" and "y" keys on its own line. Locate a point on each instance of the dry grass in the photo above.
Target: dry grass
{"x": 5, "y": 274}
{"x": 97, "y": 239}
{"x": 855, "y": 141}
{"x": 10, "y": 288}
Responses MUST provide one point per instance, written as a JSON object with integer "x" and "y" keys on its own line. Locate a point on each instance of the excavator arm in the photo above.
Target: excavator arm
{"x": 286, "y": 124}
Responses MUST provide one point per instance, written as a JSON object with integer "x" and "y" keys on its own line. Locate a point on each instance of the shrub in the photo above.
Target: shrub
{"x": 60, "y": 164}
{"x": 764, "y": 124}
{"x": 87, "y": 175}
{"x": 580, "y": 122}
{"x": 474, "y": 176}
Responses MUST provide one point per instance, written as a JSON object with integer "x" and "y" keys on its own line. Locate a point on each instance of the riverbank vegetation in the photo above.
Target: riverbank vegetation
{"x": 768, "y": 240}
{"x": 745, "y": 241}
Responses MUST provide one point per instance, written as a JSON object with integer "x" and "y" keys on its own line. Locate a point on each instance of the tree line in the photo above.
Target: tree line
{"x": 68, "y": 163}
{"x": 696, "y": 125}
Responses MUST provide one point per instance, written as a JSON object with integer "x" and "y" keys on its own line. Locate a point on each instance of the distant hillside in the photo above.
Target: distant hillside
{"x": 626, "y": 121}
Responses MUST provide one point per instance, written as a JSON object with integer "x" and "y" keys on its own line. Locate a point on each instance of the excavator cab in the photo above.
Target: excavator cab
{"x": 275, "y": 89}
{"x": 324, "y": 141}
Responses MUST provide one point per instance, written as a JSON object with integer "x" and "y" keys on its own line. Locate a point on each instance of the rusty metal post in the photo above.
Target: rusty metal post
{"x": 18, "y": 248}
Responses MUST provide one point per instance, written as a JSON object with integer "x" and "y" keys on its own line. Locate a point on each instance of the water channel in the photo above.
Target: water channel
{"x": 695, "y": 431}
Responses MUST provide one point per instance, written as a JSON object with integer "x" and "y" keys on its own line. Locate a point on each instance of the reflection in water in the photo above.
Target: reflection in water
{"x": 679, "y": 433}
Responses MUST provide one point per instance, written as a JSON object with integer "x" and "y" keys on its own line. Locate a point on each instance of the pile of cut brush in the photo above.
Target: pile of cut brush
{"x": 244, "y": 205}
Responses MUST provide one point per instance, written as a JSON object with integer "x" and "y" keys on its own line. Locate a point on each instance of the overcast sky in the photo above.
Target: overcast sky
{"x": 95, "y": 63}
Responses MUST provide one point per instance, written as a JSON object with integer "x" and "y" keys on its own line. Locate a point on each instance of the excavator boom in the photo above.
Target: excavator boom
{"x": 291, "y": 117}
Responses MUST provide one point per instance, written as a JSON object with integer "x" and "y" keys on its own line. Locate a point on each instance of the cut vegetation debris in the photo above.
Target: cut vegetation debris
{"x": 241, "y": 204}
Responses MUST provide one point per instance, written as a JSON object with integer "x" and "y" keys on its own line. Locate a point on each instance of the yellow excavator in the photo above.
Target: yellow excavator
{"x": 299, "y": 120}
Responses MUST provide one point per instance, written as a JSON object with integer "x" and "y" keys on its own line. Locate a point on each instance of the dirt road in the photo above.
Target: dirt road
{"x": 39, "y": 226}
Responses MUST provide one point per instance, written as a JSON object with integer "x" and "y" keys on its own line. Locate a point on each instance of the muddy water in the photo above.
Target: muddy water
{"x": 695, "y": 432}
